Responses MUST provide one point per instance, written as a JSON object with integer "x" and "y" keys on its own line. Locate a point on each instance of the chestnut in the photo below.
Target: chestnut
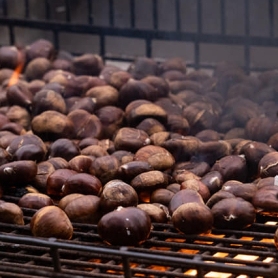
{"x": 105, "y": 168}
{"x": 151, "y": 180}
{"x": 56, "y": 180}
{"x": 19, "y": 94}
{"x": 268, "y": 165}
{"x": 265, "y": 200}
{"x": 197, "y": 185}
{"x": 142, "y": 67}
{"x": 81, "y": 163}
{"x": 11, "y": 213}
{"x": 83, "y": 209}
{"x": 40, "y": 48}
{"x": 157, "y": 212}
{"x": 162, "y": 196}
{"x": 117, "y": 193}
{"x": 184, "y": 196}
{"x": 44, "y": 169}
{"x": 85, "y": 124}
{"x": 87, "y": 64}
{"x": 51, "y": 125}
{"x": 175, "y": 63}
{"x": 63, "y": 202}
{"x": 20, "y": 115}
{"x": 82, "y": 183}
{"x": 36, "y": 68}
{"x": 111, "y": 118}
{"x": 51, "y": 221}
{"x": 216, "y": 197}
{"x": 233, "y": 213}
{"x": 193, "y": 218}
{"x": 86, "y": 103}
{"x": 129, "y": 170}
{"x": 118, "y": 78}
{"x": 10, "y": 57}
{"x": 244, "y": 190}
{"x": 64, "y": 148}
{"x": 18, "y": 172}
{"x": 45, "y": 100}
{"x": 129, "y": 226}
{"x": 158, "y": 157}
{"x": 35, "y": 201}
{"x": 131, "y": 139}
{"x": 213, "y": 180}
{"x": 103, "y": 95}
{"x": 232, "y": 167}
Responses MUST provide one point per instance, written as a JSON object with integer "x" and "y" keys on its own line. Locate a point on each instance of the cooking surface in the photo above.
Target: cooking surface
{"x": 167, "y": 253}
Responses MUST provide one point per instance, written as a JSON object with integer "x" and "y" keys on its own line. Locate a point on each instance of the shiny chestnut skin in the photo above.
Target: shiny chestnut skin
{"x": 216, "y": 197}
{"x": 35, "y": 201}
{"x": 184, "y": 196}
{"x": 268, "y": 165}
{"x": 18, "y": 172}
{"x": 81, "y": 163}
{"x": 56, "y": 180}
{"x": 233, "y": 213}
{"x": 265, "y": 200}
{"x": 129, "y": 170}
{"x": 82, "y": 183}
{"x": 192, "y": 218}
{"x": 232, "y": 167}
{"x": 64, "y": 148}
{"x": 51, "y": 221}
{"x": 125, "y": 226}
{"x": 83, "y": 209}
{"x": 117, "y": 193}
{"x": 213, "y": 180}
{"x": 11, "y": 213}
{"x": 162, "y": 196}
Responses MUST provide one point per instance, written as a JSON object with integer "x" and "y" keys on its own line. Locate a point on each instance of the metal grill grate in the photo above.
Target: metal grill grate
{"x": 166, "y": 253}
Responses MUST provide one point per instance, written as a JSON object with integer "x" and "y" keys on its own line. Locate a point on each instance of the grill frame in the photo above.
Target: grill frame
{"x": 38, "y": 257}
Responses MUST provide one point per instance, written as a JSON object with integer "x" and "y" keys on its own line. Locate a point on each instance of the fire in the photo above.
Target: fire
{"x": 15, "y": 76}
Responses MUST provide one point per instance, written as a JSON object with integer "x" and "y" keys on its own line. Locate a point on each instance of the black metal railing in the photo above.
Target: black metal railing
{"x": 131, "y": 30}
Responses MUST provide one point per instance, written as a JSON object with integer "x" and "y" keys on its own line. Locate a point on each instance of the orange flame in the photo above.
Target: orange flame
{"x": 15, "y": 76}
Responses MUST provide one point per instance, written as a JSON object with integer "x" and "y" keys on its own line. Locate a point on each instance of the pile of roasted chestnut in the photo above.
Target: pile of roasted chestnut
{"x": 82, "y": 141}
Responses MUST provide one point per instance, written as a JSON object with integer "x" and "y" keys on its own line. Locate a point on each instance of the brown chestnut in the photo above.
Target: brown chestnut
{"x": 117, "y": 193}
{"x": 158, "y": 157}
{"x": 18, "y": 172}
{"x": 157, "y": 212}
{"x": 82, "y": 183}
{"x": 193, "y": 218}
{"x": 162, "y": 196}
{"x": 11, "y": 213}
{"x": 184, "y": 196}
{"x": 51, "y": 221}
{"x": 125, "y": 226}
{"x": 35, "y": 201}
{"x": 83, "y": 209}
{"x": 81, "y": 163}
{"x": 233, "y": 213}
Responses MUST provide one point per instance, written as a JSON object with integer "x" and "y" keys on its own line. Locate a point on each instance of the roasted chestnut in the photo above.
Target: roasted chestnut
{"x": 157, "y": 212}
{"x": 11, "y": 213}
{"x": 117, "y": 193}
{"x": 83, "y": 209}
{"x": 193, "y": 218}
{"x": 35, "y": 201}
{"x": 51, "y": 221}
{"x": 233, "y": 213}
{"x": 82, "y": 183}
{"x": 125, "y": 226}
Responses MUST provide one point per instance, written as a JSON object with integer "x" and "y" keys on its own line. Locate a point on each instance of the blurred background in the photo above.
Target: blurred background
{"x": 234, "y": 14}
